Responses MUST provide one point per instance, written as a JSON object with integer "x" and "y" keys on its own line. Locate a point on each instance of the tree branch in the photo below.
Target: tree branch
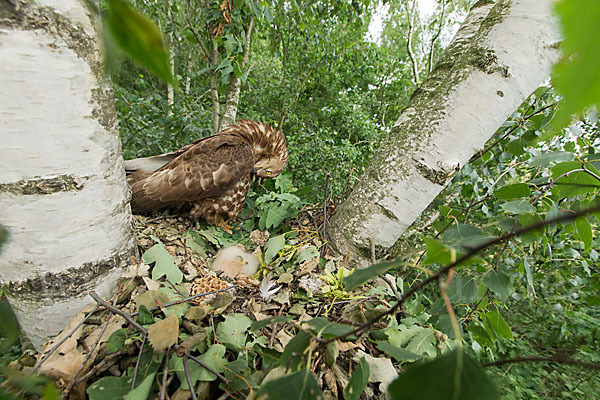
{"x": 474, "y": 250}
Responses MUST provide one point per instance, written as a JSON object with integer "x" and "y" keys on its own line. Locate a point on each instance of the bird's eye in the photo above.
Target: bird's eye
{"x": 268, "y": 172}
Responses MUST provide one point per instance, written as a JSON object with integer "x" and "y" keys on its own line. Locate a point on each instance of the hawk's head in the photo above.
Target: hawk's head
{"x": 269, "y": 148}
{"x": 269, "y": 167}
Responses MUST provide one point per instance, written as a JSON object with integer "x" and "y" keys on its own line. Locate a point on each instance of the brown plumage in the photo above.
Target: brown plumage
{"x": 210, "y": 176}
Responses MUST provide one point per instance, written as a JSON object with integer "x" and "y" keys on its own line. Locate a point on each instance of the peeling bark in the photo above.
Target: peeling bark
{"x": 63, "y": 194}
{"x": 498, "y": 57}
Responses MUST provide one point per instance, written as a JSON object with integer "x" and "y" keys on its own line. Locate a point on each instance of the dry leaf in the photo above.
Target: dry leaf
{"x": 382, "y": 369}
{"x": 331, "y": 382}
{"x": 151, "y": 298}
{"x": 164, "y": 334}
{"x": 345, "y": 346}
{"x": 151, "y": 284}
{"x": 114, "y": 324}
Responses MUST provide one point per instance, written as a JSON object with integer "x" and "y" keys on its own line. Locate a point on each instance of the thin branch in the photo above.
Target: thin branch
{"x": 525, "y": 118}
{"x": 163, "y": 386}
{"x": 137, "y": 362}
{"x": 57, "y": 345}
{"x": 436, "y": 36}
{"x": 188, "y": 378}
{"x": 193, "y": 30}
{"x": 87, "y": 358}
{"x": 555, "y": 359}
{"x": 115, "y": 310}
{"x": 411, "y": 54}
{"x": 203, "y": 365}
{"x": 472, "y": 251}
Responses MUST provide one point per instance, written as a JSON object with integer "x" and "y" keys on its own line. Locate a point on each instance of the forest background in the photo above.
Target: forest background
{"x": 315, "y": 70}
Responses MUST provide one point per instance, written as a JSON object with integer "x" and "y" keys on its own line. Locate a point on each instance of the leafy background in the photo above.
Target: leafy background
{"x": 334, "y": 92}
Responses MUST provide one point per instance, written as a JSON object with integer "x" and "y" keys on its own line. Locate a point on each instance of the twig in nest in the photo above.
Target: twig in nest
{"x": 137, "y": 363}
{"x": 164, "y": 384}
{"x": 75, "y": 376}
{"x": 189, "y": 379}
{"x": 115, "y": 310}
{"x": 57, "y": 345}
{"x": 102, "y": 366}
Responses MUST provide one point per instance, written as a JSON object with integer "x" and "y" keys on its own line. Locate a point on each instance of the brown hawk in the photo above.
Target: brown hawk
{"x": 210, "y": 176}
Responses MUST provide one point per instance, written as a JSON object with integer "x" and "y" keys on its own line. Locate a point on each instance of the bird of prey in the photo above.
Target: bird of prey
{"x": 211, "y": 176}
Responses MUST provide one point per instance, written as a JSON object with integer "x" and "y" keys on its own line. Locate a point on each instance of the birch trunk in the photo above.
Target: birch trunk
{"x": 63, "y": 194}
{"x": 235, "y": 84}
{"x": 498, "y": 57}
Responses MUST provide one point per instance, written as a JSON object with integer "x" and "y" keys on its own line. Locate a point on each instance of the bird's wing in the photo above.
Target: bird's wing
{"x": 153, "y": 163}
{"x": 208, "y": 168}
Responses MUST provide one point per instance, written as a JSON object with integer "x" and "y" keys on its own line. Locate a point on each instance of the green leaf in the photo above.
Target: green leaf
{"x": 273, "y": 246}
{"x": 164, "y": 263}
{"x": 144, "y": 316}
{"x": 271, "y": 320}
{"x": 526, "y": 220}
{"x": 416, "y": 339}
{"x": 358, "y": 381}
{"x": 509, "y": 192}
{"x": 481, "y": 335}
{"x": 308, "y": 254}
{"x": 464, "y": 235}
{"x": 518, "y": 207}
{"x": 454, "y": 376}
{"x": 575, "y": 183}
{"x": 327, "y": 329}
{"x": 142, "y": 391}
{"x": 398, "y": 353}
{"x": 232, "y": 331}
{"x": 116, "y": 341}
{"x": 545, "y": 160}
{"x": 423, "y": 343}
{"x": 584, "y": 231}
{"x": 109, "y": 388}
{"x": 9, "y": 328}
{"x": 463, "y": 289}
{"x": 195, "y": 242}
{"x": 575, "y": 76}
{"x": 498, "y": 283}
{"x": 213, "y": 357}
{"x": 139, "y": 37}
{"x": 301, "y": 385}
{"x": 297, "y": 345}
{"x": 360, "y": 276}
{"x": 498, "y": 324}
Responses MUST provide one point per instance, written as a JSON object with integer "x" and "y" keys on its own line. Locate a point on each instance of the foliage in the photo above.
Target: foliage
{"x": 313, "y": 73}
{"x": 137, "y": 35}
{"x": 576, "y": 76}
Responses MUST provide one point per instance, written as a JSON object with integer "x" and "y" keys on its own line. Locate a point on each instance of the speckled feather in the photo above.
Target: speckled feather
{"x": 211, "y": 176}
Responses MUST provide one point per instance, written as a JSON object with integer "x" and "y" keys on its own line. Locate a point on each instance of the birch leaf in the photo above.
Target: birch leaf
{"x": 164, "y": 333}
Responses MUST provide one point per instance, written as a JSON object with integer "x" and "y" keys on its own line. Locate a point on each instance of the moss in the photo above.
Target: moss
{"x": 41, "y": 186}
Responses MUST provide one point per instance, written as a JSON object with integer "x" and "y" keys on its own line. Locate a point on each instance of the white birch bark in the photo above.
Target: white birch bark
{"x": 498, "y": 57}
{"x": 63, "y": 194}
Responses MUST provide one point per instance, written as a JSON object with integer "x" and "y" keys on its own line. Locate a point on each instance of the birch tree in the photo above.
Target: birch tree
{"x": 63, "y": 195}
{"x": 501, "y": 53}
